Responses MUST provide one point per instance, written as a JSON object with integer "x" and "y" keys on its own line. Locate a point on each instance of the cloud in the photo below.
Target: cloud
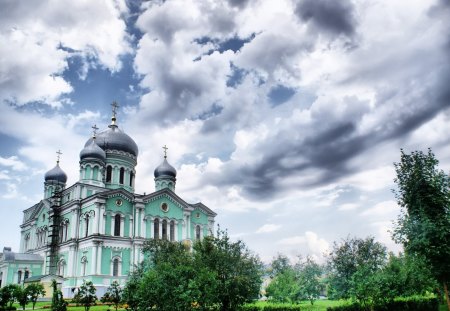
{"x": 39, "y": 39}
{"x": 14, "y": 163}
{"x": 334, "y": 17}
{"x": 267, "y": 228}
{"x": 315, "y": 245}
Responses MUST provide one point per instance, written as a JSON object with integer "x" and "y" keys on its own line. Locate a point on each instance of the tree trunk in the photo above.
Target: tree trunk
{"x": 446, "y": 295}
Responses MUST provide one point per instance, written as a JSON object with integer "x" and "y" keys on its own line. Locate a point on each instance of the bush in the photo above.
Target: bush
{"x": 280, "y": 307}
{"x": 8, "y": 308}
{"x": 402, "y": 304}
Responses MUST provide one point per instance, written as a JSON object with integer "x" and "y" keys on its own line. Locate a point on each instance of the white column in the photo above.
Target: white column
{"x": 103, "y": 222}
{"x": 151, "y": 227}
{"x": 101, "y": 219}
{"x": 175, "y": 232}
{"x": 99, "y": 258}
{"x": 130, "y": 232}
{"x": 71, "y": 261}
{"x": 95, "y": 221}
{"x": 112, "y": 224}
{"x": 160, "y": 229}
{"x": 74, "y": 222}
{"x": 137, "y": 232}
{"x": 143, "y": 226}
{"x": 183, "y": 230}
{"x": 122, "y": 226}
{"x": 94, "y": 258}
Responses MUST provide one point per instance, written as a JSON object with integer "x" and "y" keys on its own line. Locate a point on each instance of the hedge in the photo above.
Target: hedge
{"x": 270, "y": 308}
{"x": 405, "y": 304}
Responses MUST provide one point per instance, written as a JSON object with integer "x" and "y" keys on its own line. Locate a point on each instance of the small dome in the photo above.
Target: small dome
{"x": 56, "y": 174}
{"x": 165, "y": 169}
{"x": 93, "y": 151}
{"x": 114, "y": 138}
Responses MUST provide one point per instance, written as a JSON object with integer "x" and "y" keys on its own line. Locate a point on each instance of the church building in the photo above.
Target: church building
{"x": 95, "y": 229}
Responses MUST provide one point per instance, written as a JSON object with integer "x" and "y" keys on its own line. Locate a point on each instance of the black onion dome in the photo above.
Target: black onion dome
{"x": 93, "y": 151}
{"x": 56, "y": 174}
{"x": 165, "y": 169}
{"x": 114, "y": 138}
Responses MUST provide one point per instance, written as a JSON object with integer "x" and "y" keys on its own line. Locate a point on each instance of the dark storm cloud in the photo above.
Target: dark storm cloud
{"x": 334, "y": 17}
{"x": 239, "y": 3}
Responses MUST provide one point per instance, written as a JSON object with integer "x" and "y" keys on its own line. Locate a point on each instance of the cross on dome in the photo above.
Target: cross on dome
{"x": 94, "y": 130}
{"x": 165, "y": 151}
{"x": 114, "y": 105}
{"x": 59, "y": 153}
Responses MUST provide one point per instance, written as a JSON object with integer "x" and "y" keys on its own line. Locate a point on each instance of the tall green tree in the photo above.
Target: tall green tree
{"x": 237, "y": 269}
{"x": 309, "y": 273}
{"x": 34, "y": 291}
{"x": 21, "y": 296}
{"x": 284, "y": 286}
{"x": 86, "y": 295}
{"x": 423, "y": 192}
{"x": 58, "y": 302}
{"x": 217, "y": 274}
{"x": 8, "y": 294}
{"x": 352, "y": 265}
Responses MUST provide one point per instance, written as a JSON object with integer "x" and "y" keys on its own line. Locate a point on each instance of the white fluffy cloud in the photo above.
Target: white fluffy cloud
{"x": 38, "y": 39}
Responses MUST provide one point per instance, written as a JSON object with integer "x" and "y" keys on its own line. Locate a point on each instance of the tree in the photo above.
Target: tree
{"x": 309, "y": 279}
{"x": 86, "y": 295}
{"x": 58, "y": 302}
{"x": 217, "y": 274}
{"x": 21, "y": 296}
{"x": 7, "y": 295}
{"x": 352, "y": 265}
{"x": 284, "y": 286}
{"x": 238, "y": 271}
{"x": 130, "y": 294}
{"x": 113, "y": 295}
{"x": 424, "y": 225}
{"x": 279, "y": 265}
{"x": 34, "y": 290}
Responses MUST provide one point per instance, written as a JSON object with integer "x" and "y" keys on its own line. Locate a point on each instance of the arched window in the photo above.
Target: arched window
{"x": 86, "y": 231}
{"x": 117, "y": 221}
{"x": 27, "y": 274}
{"x": 95, "y": 173}
{"x": 19, "y": 276}
{"x": 164, "y": 229}
{"x": 27, "y": 241}
{"x": 172, "y": 231}
{"x": 66, "y": 229}
{"x": 197, "y": 232}
{"x": 122, "y": 175}
{"x": 108, "y": 173}
{"x": 115, "y": 269}
{"x": 131, "y": 179}
{"x": 83, "y": 266}
{"x": 156, "y": 229}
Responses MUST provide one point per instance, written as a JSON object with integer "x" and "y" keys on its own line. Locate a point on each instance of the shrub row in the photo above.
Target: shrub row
{"x": 411, "y": 304}
{"x": 270, "y": 308}
{"x": 8, "y": 308}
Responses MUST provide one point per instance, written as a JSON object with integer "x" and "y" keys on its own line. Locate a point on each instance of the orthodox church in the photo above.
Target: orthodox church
{"x": 94, "y": 229}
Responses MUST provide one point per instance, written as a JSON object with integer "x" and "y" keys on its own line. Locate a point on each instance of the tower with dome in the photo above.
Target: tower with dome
{"x": 95, "y": 229}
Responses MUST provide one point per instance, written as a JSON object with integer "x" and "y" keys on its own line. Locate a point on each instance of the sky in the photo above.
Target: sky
{"x": 285, "y": 117}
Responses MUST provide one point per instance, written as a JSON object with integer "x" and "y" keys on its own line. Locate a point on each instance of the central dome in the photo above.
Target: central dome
{"x": 114, "y": 138}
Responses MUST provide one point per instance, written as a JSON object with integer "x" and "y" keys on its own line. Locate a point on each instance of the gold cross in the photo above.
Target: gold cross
{"x": 165, "y": 151}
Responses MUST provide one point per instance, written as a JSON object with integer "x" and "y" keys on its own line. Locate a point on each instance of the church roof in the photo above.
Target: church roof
{"x": 11, "y": 256}
{"x": 56, "y": 174}
{"x": 114, "y": 138}
{"x": 165, "y": 169}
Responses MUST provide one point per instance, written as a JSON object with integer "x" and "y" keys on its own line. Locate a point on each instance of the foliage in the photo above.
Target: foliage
{"x": 284, "y": 287}
{"x": 424, "y": 226}
{"x": 237, "y": 271}
{"x": 34, "y": 290}
{"x": 58, "y": 302}
{"x": 86, "y": 295}
{"x": 352, "y": 266}
{"x": 8, "y": 295}
{"x": 279, "y": 265}
{"x": 309, "y": 274}
{"x": 404, "y": 304}
{"x": 21, "y": 296}
{"x": 217, "y": 275}
{"x": 113, "y": 295}
{"x": 130, "y": 294}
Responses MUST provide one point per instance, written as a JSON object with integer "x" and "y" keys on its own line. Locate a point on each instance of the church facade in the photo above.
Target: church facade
{"x": 95, "y": 229}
